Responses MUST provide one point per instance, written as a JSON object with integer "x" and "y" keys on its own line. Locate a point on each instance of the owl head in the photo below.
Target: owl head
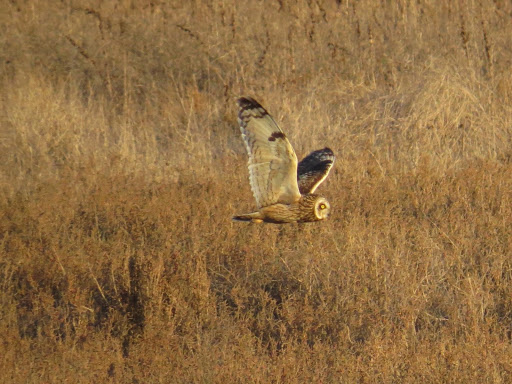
{"x": 313, "y": 208}
{"x": 322, "y": 208}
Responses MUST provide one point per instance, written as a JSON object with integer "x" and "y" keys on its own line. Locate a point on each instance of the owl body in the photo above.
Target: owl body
{"x": 308, "y": 208}
{"x": 283, "y": 187}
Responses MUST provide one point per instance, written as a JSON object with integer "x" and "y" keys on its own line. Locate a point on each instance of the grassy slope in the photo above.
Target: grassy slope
{"x": 121, "y": 165}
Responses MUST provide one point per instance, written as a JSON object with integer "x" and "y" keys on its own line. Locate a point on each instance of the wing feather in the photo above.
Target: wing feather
{"x": 272, "y": 160}
{"x": 313, "y": 169}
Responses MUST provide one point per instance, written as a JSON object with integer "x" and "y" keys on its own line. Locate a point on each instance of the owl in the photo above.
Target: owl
{"x": 283, "y": 187}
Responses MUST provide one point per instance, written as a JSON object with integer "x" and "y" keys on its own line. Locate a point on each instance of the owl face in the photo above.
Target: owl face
{"x": 322, "y": 208}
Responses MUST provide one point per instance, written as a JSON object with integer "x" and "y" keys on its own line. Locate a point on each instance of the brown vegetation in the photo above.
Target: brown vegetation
{"x": 121, "y": 164}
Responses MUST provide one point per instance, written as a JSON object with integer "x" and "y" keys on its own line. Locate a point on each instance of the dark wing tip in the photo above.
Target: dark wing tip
{"x": 248, "y": 102}
{"x": 327, "y": 151}
{"x": 249, "y": 108}
{"x": 313, "y": 169}
{"x": 317, "y": 157}
{"x": 323, "y": 153}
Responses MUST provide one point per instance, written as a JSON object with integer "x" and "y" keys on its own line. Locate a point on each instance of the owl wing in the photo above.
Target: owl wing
{"x": 313, "y": 169}
{"x": 272, "y": 160}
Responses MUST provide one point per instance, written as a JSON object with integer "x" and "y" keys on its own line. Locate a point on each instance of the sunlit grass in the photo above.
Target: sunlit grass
{"x": 121, "y": 164}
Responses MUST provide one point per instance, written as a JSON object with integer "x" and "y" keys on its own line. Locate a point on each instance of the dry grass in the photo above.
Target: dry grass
{"x": 121, "y": 164}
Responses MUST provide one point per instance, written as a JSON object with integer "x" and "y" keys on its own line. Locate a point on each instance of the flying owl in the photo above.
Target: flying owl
{"x": 283, "y": 188}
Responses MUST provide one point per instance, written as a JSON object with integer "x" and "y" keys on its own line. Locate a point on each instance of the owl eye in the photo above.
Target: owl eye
{"x": 322, "y": 206}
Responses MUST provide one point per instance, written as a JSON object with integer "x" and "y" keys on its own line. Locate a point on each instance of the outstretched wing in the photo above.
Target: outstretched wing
{"x": 313, "y": 169}
{"x": 272, "y": 160}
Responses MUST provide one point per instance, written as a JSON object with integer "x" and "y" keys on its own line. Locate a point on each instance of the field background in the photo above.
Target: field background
{"x": 121, "y": 163}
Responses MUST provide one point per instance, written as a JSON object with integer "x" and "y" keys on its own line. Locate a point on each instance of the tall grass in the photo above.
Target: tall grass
{"x": 121, "y": 164}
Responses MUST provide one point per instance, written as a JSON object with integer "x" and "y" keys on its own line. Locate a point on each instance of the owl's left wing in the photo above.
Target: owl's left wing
{"x": 313, "y": 169}
{"x": 272, "y": 160}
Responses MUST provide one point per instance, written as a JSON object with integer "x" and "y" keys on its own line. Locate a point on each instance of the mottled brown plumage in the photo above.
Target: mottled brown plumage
{"x": 274, "y": 172}
{"x": 313, "y": 169}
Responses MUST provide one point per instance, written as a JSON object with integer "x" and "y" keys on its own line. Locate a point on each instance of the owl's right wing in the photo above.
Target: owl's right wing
{"x": 272, "y": 160}
{"x": 313, "y": 169}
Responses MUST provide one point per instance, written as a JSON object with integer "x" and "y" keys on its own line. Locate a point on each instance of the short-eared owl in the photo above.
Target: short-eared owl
{"x": 282, "y": 188}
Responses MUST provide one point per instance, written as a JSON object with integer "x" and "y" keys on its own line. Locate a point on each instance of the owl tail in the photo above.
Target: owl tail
{"x": 254, "y": 217}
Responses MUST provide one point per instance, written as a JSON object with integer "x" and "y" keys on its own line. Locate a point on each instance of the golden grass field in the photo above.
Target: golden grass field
{"x": 121, "y": 164}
